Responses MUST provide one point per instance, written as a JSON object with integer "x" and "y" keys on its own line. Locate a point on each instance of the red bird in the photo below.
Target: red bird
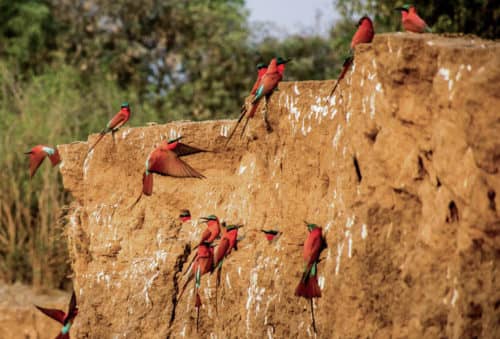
{"x": 213, "y": 229}
{"x": 271, "y": 234}
{"x": 364, "y": 34}
{"x": 411, "y": 21}
{"x": 265, "y": 88}
{"x": 185, "y": 215}
{"x": 203, "y": 264}
{"x": 115, "y": 123}
{"x": 261, "y": 70}
{"x": 66, "y": 319}
{"x": 308, "y": 286}
{"x": 38, "y": 153}
{"x": 165, "y": 160}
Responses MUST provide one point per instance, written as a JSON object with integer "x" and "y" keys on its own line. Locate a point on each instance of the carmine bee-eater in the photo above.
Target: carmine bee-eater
{"x": 261, "y": 70}
{"x": 265, "y": 88}
{"x": 271, "y": 234}
{"x": 364, "y": 34}
{"x": 66, "y": 319}
{"x": 213, "y": 229}
{"x": 411, "y": 21}
{"x": 115, "y": 123}
{"x": 308, "y": 286}
{"x": 38, "y": 153}
{"x": 185, "y": 215}
{"x": 228, "y": 242}
{"x": 165, "y": 160}
{"x": 203, "y": 264}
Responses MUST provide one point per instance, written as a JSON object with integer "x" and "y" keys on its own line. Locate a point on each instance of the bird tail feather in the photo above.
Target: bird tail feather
{"x": 103, "y": 133}
{"x": 242, "y": 114}
{"x": 308, "y": 288}
{"x": 147, "y": 183}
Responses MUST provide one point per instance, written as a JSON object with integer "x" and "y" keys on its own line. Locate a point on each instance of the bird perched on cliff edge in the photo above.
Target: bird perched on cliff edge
{"x": 66, "y": 319}
{"x": 261, "y": 70}
{"x": 308, "y": 286}
{"x": 411, "y": 21}
{"x": 364, "y": 34}
{"x": 228, "y": 242}
{"x": 38, "y": 153}
{"x": 114, "y": 124}
{"x": 203, "y": 264}
{"x": 265, "y": 88}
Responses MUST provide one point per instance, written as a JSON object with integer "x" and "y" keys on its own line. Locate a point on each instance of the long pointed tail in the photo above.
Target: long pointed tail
{"x": 242, "y": 114}
{"x": 217, "y": 284}
{"x": 308, "y": 288}
{"x": 312, "y": 315}
{"x": 197, "y": 305}
{"x": 147, "y": 183}
{"x": 103, "y": 133}
{"x": 345, "y": 67}
{"x": 184, "y": 287}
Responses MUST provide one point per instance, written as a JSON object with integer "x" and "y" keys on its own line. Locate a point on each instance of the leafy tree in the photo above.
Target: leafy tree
{"x": 480, "y": 17}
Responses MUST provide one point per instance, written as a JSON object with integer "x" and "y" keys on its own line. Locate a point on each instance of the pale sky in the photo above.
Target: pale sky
{"x": 294, "y": 16}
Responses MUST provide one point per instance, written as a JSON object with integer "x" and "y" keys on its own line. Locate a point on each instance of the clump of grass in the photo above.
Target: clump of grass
{"x": 53, "y": 108}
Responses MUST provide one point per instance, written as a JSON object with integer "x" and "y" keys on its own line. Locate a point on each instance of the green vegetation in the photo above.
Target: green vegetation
{"x": 66, "y": 66}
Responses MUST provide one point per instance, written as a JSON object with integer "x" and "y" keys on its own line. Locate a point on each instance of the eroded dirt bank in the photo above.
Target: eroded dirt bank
{"x": 400, "y": 168}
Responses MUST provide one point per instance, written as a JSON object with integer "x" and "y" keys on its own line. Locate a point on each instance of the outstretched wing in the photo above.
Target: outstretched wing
{"x": 169, "y": 164}
{"x": 57, "y": 315}
{"x": 183, "y": 149}
{"x": 36, "y": 159}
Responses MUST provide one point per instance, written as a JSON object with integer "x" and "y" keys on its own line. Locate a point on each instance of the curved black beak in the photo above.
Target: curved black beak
{"x": 176, "y": 139}
{"x": 204, "y": 219}
{"x": 400, "y": 9}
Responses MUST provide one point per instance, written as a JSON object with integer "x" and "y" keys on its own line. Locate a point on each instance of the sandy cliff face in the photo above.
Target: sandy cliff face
{"x": 400, "y": 167}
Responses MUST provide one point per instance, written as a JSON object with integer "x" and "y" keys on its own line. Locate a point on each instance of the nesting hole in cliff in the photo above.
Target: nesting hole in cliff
{"x": 372, "y": 135}
{"x": 438, "y": 182}
{"x": 453, "y": 212}
{"x": 358, "y": 170}
{"x": 491, "y": 198}
{"x": 421, "y": 169}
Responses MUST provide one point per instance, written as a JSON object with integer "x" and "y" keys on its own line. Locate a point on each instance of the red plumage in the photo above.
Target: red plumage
{"x": 364, "y": 33}
{"x": 308, "y": 286}
{"x": 165, "y": 160}
{"x": 260, "y": 74}
{"x": 37, "y": 154}
{"x": 60, "y": 316}
{"x": 118, "y": 120}
{"x": 211, "y": 232}
{"x": 412, "y": 22}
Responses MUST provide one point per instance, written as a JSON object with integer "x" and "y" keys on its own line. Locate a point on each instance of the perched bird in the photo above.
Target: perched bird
{"x": 261, "y": 70}
{"x": 228, "y": 242}
{"x": 66, "y": 319}
{"x": 38, "y": 153}
{"x": 165, "y": 160}
{"x": 263, "y": 88}
{"x": 411, "y": 21}
{"x": 115, "y": 123}
{"x": 185, "y": 215}
{"x": 203, "y": 264}
{"x": 271, "y": 234}
{"x": 213, "y": 229}
{"x": 308, "y": 286}
{"x": 364, "y": 34}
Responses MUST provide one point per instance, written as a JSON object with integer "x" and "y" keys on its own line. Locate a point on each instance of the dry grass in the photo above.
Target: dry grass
{"x": 54, "y": 108}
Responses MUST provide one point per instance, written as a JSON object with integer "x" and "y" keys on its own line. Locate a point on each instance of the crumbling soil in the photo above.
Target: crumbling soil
{"x": 400, "y": 168}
